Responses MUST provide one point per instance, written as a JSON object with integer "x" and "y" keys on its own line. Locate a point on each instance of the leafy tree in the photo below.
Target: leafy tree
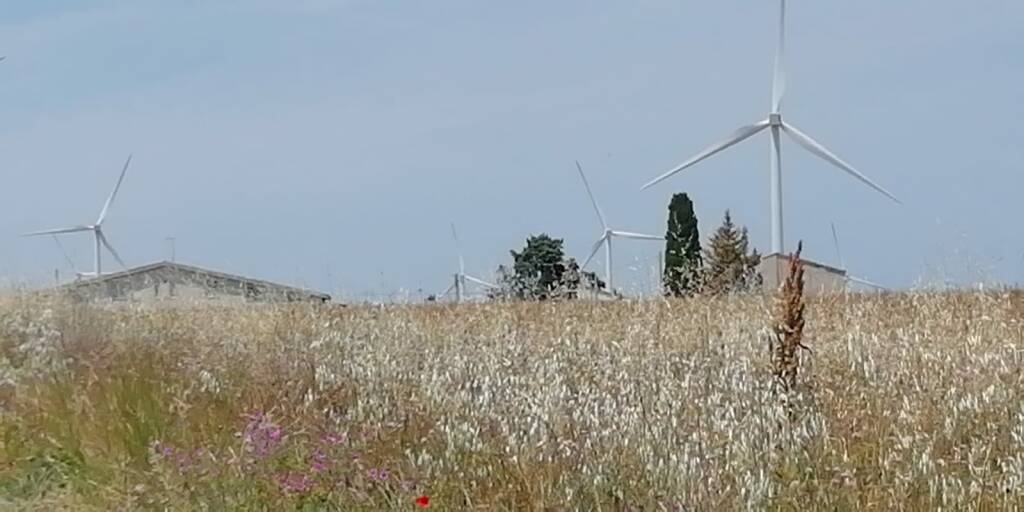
{"x": 682, "y": 249}
{"x": 541, "y": 261}
{"x": 540, "y": 271}
{"x": 574, "y": 278}
{"x": 730, "y": 264}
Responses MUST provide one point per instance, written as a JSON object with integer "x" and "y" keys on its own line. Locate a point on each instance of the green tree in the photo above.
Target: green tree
{"x": 575, "y": 278}
{"x": 730, "y": 263}
{"x": 540, "y": 272}
{"x": 682, "y": 249}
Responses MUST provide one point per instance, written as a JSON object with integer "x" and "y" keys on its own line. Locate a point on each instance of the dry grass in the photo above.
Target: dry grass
{"x": 911, "y": 402}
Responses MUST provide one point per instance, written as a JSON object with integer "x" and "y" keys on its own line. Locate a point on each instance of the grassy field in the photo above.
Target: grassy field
{"x": 907, "y": 402}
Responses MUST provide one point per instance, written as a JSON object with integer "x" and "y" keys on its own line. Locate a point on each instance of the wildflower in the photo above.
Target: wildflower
{"x": 185, "y": 462}
{"x": 295, "y": 483}
{"x": 261, "y": 436}
{"x": 162, "y": 449}
{"x": 332, "y": 439}
{"x": 423, "y": 501}
{"x": 319, "y": 461}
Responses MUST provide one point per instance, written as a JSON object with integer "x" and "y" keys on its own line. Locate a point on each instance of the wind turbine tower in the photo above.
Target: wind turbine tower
{"x": 461, "y": 277}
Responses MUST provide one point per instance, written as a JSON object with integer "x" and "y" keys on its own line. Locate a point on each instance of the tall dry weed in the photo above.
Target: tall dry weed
{"x": 789, "y": 324}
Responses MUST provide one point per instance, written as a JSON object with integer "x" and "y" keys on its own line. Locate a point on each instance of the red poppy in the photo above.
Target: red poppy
{"x": 423, "y": 501}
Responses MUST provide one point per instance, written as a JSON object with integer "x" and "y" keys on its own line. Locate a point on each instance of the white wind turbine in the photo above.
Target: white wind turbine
{"x": 459, "y": 283}
{"x": 607, "y": 235}
{"x": 849, "y": 278}
{"x": 777, "y": 126}
{"x": 97, "y": 228}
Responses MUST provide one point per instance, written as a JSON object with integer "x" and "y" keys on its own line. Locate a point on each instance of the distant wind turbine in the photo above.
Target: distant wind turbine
{"x": 777, "y": 126}
{"x": 459, "y": 284}
{"x": 607, "y": 235}
{"x": 849, "y": 278}
{"x": 67, "y": 258}
{"x": 97, "y": 228}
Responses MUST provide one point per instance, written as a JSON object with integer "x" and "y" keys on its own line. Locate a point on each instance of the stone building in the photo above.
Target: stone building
{"x": 819, "y": 279}
{"x": 167, "y": 281}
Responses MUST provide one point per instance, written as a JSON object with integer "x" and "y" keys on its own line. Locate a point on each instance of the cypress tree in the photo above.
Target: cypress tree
{"x": 682, "y": 248}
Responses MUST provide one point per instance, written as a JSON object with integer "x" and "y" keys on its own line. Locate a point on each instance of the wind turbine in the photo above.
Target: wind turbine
{"x": 67, "y": 258}
{"x": 607, "y": 235}
{"x": 459, "y": 283}
{"x": 97, "y": 228}
{"x": 777, "y": 126}
{"x": 849, "y": 278}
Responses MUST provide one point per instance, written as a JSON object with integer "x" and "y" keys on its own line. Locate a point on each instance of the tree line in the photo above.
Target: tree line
{"x": 728, "y": 264}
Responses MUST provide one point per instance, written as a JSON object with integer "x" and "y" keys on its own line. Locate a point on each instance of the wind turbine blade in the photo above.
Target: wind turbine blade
{"x": 835, "y": 240}
{"x": 103, "y": 240}
{"x": 479, "y": 281}
{"x": 738, "y": 136}
{"x": 779, "y": 81}
{"x": 817, "y": 149}
{"x": 636, "y": 236}
{"x": 597, "y": 247}
{"x": 458, "y": 249}
{"x": 58, "y": 231}
{"x": 447, "y": 291}
{"x": 590, "y": 193}
{"x": 67, "y": 258}
{"x": 110, "y": 200}
{"x": 865, "y": 282}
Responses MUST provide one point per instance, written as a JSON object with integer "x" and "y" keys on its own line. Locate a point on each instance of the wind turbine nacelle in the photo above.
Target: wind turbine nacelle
{"x": 775, "y": 119}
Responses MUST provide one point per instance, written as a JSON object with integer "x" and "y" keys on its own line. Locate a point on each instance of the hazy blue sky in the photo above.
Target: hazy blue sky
{"x": 329, "y": 143}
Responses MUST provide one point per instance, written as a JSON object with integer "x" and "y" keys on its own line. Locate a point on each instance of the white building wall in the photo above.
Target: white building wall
{"x": 818, "y": 279}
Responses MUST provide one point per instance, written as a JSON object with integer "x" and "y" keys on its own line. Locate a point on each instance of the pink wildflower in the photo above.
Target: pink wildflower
{"x": 261, "y": 436}
{"x": 295, "y": 483}
{"x": 162, "y": 449}
{"x": 378, "y": 475}
{"x": 319, "y": 461}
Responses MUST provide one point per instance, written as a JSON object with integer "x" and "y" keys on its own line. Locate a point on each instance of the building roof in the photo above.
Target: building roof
{"x": 806, "y": 262}
{"x": 182, "y": 269}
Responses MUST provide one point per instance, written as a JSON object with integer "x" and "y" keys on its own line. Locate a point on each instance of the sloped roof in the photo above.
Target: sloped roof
{"x": 197, "y": 271}
{"x": 806, "y": 262}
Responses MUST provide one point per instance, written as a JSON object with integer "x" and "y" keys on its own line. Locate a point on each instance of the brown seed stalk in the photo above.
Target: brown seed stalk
{"x": 789, "y": 324}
